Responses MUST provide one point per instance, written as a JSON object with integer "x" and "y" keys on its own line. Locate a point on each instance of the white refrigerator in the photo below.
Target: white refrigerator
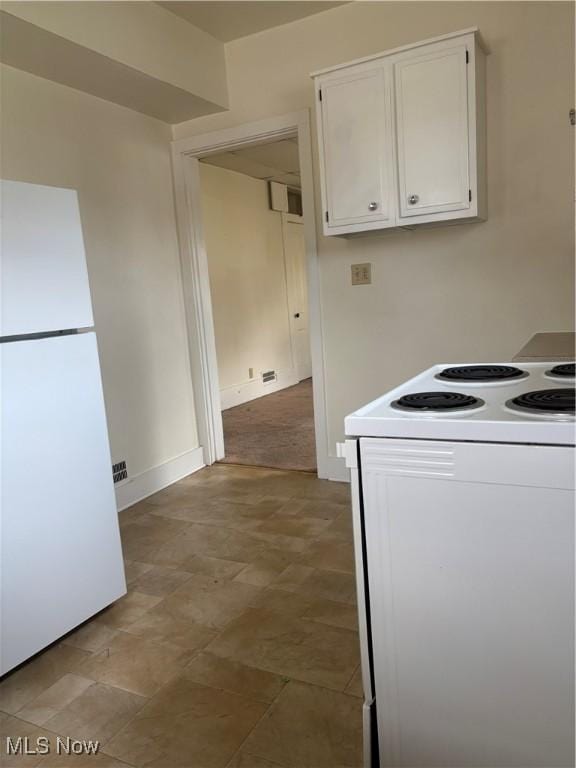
{"x": 61, "y": 557}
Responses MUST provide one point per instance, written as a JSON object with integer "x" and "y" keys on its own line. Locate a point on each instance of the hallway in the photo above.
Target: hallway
{"x": 274, "y": 431}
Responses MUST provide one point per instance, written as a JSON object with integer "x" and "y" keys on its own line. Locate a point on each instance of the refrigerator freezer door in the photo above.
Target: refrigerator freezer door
{"x": 61, "y": 559}
{"x": 44, "y": 281}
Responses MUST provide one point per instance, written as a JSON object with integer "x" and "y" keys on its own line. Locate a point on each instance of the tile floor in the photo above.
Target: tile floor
{"x": 236, "y": 646}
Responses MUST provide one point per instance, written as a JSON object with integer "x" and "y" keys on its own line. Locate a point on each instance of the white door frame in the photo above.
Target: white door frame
{"x": 201, "y": 341}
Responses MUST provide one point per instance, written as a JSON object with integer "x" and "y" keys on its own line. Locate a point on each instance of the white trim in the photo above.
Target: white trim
{"x": 237, "y": 394}
{"x": 337, "y": 470}
{"x": 202, "y": 349}
{"x": 153, "y": 480}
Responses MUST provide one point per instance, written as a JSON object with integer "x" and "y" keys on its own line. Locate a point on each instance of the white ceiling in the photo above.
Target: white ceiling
{"x": 227, "y": 21}
{"x": 277, "y": 161}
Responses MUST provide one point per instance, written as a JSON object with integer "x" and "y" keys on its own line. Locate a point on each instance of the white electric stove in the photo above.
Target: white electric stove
{"x": 463, "y": 502}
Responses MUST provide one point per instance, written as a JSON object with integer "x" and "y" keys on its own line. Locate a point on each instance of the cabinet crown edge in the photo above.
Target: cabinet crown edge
{"x": 407, "y": 47}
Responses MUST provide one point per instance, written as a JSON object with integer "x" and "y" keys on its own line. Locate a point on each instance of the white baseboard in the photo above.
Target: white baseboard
{"x": 335, "y": 469}
{"x": 152, "y": 480}
{"x": 250, "y": 390}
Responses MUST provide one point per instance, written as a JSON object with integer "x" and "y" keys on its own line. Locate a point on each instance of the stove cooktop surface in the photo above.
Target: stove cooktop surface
{"x": 492, "y": 402}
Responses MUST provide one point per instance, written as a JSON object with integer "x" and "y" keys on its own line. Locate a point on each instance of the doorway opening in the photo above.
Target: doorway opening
{"x": 186, "y": 155}
{"x": 253, "y": 229}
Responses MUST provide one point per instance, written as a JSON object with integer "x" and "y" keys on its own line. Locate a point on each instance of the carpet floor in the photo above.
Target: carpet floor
{"x": 274, "y": 431}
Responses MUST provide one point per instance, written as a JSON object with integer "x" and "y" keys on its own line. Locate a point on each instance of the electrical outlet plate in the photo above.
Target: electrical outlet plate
{"x": 361, "y": 274}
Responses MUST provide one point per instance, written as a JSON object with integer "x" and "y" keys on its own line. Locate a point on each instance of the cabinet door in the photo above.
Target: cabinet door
{"x": 432, "y": 131}
{"x": 357, "y": 149}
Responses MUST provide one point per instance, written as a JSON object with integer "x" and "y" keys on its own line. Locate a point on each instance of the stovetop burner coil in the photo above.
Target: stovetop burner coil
{"x": 565, "y": 370}
{"x": 436, "y": 401}
{"x": 481, "y": 373}
{"x": 559, "y": 401}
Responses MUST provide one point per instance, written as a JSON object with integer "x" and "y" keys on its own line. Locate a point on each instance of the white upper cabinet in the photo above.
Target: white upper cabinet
{"x": 432, "y": 131}
{"x": 401, "y": 137}
{"x": 358, "y": 151}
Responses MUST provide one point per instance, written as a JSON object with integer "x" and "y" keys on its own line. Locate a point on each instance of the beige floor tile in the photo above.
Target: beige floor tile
{"x": 289, "y": 646}
{"x": 305, "y": 605}
{"x": 187, "y": 725}
{"x": 29, "y": 681}
{"x": 214, "y": 566}
{"x": 310, "y": 727}
{"x": 92, "y": 636}
{"x": 286, "y": 603}
{"x": 333, "y": 613}
{"x": 133, "y": 570}
{"x": 160, "y": 581}
{"x": 54, "y": 699}
{"x": 354, "y": 687}
{"x": 133, "y": 514}
{"x": 98, "y": 714}
{"x": 243, "y": 759}
{"x": 99, "y": 760}
{"x": 135, "y": 664}
{"x": 212, "y": 602}
{"x": 331, "y": 585}
{"x": 223, "y": 513}
{"x": 311, "y": 508}
{"x": 300, "y": 527}
{"x": 152, "y": 527}
{"x": 235, "y": 677}
{"x": 341, "y": 528}
{"x": 292, "y": 577}
{"x": 330, "y": 554}
{"x": 168, "y": 624}
{"x": 265, "y": 569}
{"x": 142, "y": 537}
{"x": 11, "y": 729}
{"x": 295, "y": 544}
{"x": 177, "y": 493}
{"x": 128, "y": 609}
{"x": 208, "y": 541}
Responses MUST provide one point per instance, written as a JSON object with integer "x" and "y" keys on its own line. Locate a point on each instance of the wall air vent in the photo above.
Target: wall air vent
{"x": 119, "y": 471}
{"x": 268, "y": 377}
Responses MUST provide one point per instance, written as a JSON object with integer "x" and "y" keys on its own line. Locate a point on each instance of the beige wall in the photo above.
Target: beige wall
{"x": 119, "y": 162}
{"x": 470, "y": 292}
{"x": 247, "y": 279}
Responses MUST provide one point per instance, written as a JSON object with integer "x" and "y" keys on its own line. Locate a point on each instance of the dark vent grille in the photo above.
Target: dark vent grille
{"x": 268, "y": 376}
{"x": 119, "y": 471}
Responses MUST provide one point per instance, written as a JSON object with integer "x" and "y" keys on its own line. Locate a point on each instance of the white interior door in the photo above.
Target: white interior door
{"x": 60, "y": 545}
{"x": 297, "y": 285}
{"x": 432, "y": 131}
{"x": 357, "y": 146}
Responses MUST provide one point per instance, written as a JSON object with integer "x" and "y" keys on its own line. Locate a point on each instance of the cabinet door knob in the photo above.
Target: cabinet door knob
{"x": 413, "y": 199}
{"x": 372, "y": 206}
